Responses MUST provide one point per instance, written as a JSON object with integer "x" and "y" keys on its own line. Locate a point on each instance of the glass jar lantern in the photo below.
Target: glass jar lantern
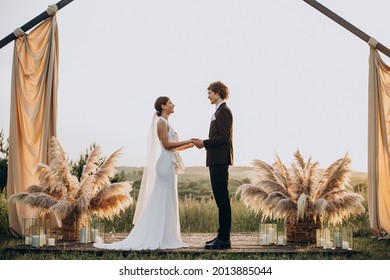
{"x": 281, "y": 234}
{"x": 320, "y": 239}
{"x": 324, "y": 238}
{"x": 33, "y": 232}
{"x": 27, "y": 228}
{"x": 268, "y": 234}
{"x": 36, "y": 235}
{"x": 97, "y": 231}
{"x": 328, "y": 238}
{"x": 338, "y": 237}
{"x": 347, "y": 238}
{"x": 50, "y": 234}
{"x": 83, "y": 230}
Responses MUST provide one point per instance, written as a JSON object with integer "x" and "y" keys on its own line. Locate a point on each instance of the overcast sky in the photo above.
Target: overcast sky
{"x": 297, "y": 79}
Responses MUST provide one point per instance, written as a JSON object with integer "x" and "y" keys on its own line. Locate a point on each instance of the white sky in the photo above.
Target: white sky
{"x": 297, "y": 79}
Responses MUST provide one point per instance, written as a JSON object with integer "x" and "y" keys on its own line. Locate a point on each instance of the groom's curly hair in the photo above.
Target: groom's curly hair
{"x": 219, "y": 88}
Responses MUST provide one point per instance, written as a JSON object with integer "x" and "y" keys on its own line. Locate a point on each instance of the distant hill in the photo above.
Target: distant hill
{"x": 196, "y": 180}
{"x": 234, "y": 171}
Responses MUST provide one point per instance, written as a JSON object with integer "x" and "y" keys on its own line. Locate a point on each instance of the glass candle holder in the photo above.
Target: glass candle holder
{"x": 83, "y": 230}
{"x": 49, "y": 233}
{"x": 30, "y": 227}
{"x": 36, "y": 235}
{"x": 320, "y": 238}
{"x": 97, "y": 232}
{"x": 338, "y": 237}
{"x": 324, "y": 238}
{"x": 328, "y": 238}
{"x": 347, "y": 238}
{"x": 51, "y": 240}
{"x": 27, "y": 230}
{"x": 44, "y": 231}
{"x": 281, "y": 235}
{"x": 268, "y": 234}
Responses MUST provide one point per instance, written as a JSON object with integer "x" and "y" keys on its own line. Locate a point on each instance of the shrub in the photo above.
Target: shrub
{"x": 3, "y": 213}
{"x": 3, "y": 161}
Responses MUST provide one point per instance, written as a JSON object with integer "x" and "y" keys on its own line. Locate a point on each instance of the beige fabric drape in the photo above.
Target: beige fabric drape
{"x": 378, "y": 143}
{"x": 33, "y": 111}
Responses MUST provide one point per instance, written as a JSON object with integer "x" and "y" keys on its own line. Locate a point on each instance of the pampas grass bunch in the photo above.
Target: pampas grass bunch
{"x": 301, "y": 191}
{"x": 62, "y": 194}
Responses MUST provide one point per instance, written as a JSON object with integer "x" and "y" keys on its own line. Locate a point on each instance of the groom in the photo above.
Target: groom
{"x": 219, "y": 156}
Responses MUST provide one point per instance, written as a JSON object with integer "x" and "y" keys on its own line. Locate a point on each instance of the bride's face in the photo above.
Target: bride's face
{"x": 169, "y": 107}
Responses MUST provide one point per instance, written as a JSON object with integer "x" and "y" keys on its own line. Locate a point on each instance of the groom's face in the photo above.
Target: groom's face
{"x": 214, "y": 97}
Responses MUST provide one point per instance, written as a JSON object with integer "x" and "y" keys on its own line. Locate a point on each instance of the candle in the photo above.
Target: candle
{"x": 94, "y": 234}
{"x": 265, "y": 239}
{"x": 98, "y": 240}
{"x": 42, "y": 239}
{"x": 27, "y": 240}
{"x": 329, "y": 245}
{"x": 35, "y": 241}
{"x": 321, "y": 242}
{"x": 83, "y": 235}
{"x": 338, "y": 239}
{"x": 280, "y": 240}
{"x": 271, "y": 234}
{"x": 51, "y": 242}
{"x": 345, "y": 245}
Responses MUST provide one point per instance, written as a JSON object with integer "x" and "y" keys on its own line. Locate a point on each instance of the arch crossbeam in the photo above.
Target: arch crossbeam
{"x": 347, "y": 25}
{"x": 35, "y": 21}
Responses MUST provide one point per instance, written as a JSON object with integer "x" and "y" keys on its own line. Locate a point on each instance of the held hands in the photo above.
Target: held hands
{"x": 186, "y": 145}
{"x": 193, "y": 142}
{"x": 198, "y": 143}
{"x": 190, "y": 144}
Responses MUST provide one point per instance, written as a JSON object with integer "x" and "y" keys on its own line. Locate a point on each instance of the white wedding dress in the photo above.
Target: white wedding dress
{"x": 157, "y": 225}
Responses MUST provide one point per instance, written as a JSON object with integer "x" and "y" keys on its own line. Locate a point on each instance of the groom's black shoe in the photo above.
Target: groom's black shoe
{"x": 218, "y": 244}
{"x": 211, "y": 241}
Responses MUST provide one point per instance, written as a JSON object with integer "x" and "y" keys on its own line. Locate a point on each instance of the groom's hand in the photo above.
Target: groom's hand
{"x": 198, "y": 143}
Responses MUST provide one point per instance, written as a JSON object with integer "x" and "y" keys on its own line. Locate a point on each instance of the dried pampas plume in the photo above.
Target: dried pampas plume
{"x": 301, "y": 191}
{"x": 61, "y": 193}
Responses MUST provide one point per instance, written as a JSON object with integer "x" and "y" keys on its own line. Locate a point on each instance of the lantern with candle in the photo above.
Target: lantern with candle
{"x": 281, "y": 238}
{"x": 347, "y": 238}
{"x": 27, "y": 229}
{"x": 35, "y": 229}
{"x": 268, "y": 233}
{"x": 97, "y": 231}
{"x": 84, "y": 230}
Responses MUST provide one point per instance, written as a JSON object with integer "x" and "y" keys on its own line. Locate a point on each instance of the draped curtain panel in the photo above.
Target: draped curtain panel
{"x": 378, "y": 143}
{"x": 33, "y": 112}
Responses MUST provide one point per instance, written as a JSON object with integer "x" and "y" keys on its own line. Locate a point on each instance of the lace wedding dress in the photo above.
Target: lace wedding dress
{"x": 156, "y": 219}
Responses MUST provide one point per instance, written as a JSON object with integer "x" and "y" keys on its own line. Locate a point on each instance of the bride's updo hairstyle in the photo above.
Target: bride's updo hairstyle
{"x": 162, "y": 100}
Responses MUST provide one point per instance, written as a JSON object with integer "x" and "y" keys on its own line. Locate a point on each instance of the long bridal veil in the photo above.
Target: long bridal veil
{"x": 149, "y": 173}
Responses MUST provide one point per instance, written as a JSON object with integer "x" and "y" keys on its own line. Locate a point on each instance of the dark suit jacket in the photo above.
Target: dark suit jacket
{"x": 219, "y": 146}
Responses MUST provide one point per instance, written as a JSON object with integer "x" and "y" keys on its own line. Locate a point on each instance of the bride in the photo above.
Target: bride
{"x": 156, "y": 217}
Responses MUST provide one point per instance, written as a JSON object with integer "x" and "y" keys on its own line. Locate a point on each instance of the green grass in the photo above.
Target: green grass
{"x": 366, "y": 248}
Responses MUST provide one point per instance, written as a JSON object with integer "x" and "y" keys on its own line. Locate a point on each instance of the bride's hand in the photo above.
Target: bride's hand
{"x": 190, "y": 143}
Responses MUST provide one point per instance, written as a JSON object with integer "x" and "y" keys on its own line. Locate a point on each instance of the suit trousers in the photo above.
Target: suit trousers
{"x": 219, "y": 176}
